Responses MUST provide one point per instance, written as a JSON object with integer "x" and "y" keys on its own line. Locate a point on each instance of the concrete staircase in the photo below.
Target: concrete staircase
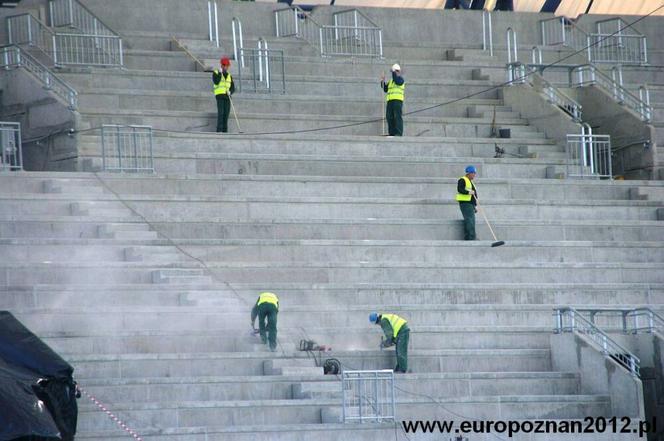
{"x": 145, "y": 283}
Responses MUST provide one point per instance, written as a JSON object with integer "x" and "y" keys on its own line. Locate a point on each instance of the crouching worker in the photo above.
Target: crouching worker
{"x": 396, "y": 332}
{"x": 266, "y": 309}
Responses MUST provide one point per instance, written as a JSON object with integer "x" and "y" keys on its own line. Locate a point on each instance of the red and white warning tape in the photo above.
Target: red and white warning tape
{"x": 110, "y": 414}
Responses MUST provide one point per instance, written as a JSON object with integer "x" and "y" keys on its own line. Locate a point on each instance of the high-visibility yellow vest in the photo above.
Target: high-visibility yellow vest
{"x": 396, "y": 322}
{"x": 394, "y": 91}
{"x": 465, "y": 197}
{"x": 268, "y": 297}
{"x": 224, "y": 84}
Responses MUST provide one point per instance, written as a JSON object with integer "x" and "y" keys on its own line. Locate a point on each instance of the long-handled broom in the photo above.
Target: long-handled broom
{"x": 235, "y": 115}
{"x": 496, "y": 242}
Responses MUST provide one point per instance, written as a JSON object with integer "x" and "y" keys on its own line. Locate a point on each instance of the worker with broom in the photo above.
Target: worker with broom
{"x": 397, "y": 333}
{"x": 223, "y": 86}
{"x": 394, "y": 90}
{"x": 467, "y": 198}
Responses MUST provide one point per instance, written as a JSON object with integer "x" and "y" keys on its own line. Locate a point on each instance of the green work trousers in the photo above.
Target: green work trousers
{"x": 223, "y": 111}
{"x": 402, "y": 349}
{"x": 393, "y": 117}
{"x": 267, "y": 324}
{"x": 468, "y": 212}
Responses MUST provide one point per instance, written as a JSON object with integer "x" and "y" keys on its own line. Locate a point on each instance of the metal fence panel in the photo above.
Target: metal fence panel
{"x": 11, "y": 156}
{"x": 89, "y": 50}
{"x": 618, "y": 49}
{"x": 589, "y": 156}
{"x": 265, "y": 74}
{"x": 351, "y": 41}
{"x": 368, "y": 396}
{"x": 26, "y": 29}
{"x": 73, "y": 14}
{"x": 127, "y": 148}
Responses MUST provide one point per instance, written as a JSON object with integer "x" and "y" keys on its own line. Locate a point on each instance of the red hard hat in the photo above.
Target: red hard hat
{"x": 225, "y": 61}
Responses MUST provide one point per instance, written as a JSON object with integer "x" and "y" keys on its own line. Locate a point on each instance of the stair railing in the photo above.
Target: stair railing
{"x": 568, "y": 319}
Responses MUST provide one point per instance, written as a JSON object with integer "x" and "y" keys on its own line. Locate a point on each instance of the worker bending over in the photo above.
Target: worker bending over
{"x": 266, "y": 309}
{"x": 397, "y": 332}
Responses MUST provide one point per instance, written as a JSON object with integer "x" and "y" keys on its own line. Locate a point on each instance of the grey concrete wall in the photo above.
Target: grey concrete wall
{"x": 533, "y": 106}
{"x": 43, "y": 118}
{"x": 631, "y": 159}
{"x": 598, "y": 374}
{"x": 650, "y": 350}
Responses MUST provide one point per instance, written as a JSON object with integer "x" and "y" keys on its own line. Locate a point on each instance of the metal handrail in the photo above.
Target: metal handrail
{"x": 511, "y": 43}
{"x": 213, "y": 32}
{"x": 28, "y": 29}
{"x": 536, "y": 55}
{"x": 263, "y": 52}
{"x": 487, "y": 32}
{"x": 237, "y": 53}
{"x": 621, "y": 26}
{"x": 519, "y": 73}
{"x": 617, "y": 91}
{"x": 13, "y": 57}
{"x": 358, "y": 19}
{"x": 297, "y": 23}
{"x": 80, "y": 17}
{"x": 569, "y": 319}
{"x": 569, "y": 34}
{"x": 655, "y": 322}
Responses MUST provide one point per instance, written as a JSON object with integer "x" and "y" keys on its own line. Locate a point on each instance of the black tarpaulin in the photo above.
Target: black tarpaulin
{"x": 36, "y": 387}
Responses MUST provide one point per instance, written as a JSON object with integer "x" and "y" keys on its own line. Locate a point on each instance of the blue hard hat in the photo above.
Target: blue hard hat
{"x": 471, "y": 169}
{"x": 373, "y": 317}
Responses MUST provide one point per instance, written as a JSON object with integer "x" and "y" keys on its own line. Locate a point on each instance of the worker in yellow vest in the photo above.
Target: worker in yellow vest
{"x": 223, "y": 87}
{"x": 466, "y": 196}
{"x": 266, "y": 309}
{"x": 395, "y": 94}
{"x": 397, "y": 333}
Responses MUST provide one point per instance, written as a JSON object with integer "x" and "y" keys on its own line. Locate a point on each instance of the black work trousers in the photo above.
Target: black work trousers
{"x": 393, "y": 117}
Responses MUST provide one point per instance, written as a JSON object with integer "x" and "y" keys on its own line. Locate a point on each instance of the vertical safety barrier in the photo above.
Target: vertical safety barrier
{"x": 127, "y": 148}
{"x": 588, "y": 155}
{"x": 368, "y": 396}
{"x": 11, "y": 156}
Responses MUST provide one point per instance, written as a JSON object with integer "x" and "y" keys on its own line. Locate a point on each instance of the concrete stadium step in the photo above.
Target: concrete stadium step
{"x": 324, "y": 272}
{"x": 278, "y": 104}
{"x": 180, "y": 276}
{"x": 343, "y": 87}
{"x": 410, "y": 229}
{"x": 475, "y": 337}
{"x": 368, "y": 186}
{"x": 217, "y": 319}
{"x": 424, "y": 251}
{"x": 169, "y": 209}
{"x": 71, "y": 187}
{"x": 303, "y": 387}
{"x": 239, "y": 296}
{"x": 269, "y": 123}
{"x": 251, "y": 363}
{"x": 89, "y": 273}
{"x": 327, "y": 144}
{"x": 64, "y": 228}
{"x": 321, "y": 432}
{"x": 309, "y": 411}
{"x": 127, "y": 232}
